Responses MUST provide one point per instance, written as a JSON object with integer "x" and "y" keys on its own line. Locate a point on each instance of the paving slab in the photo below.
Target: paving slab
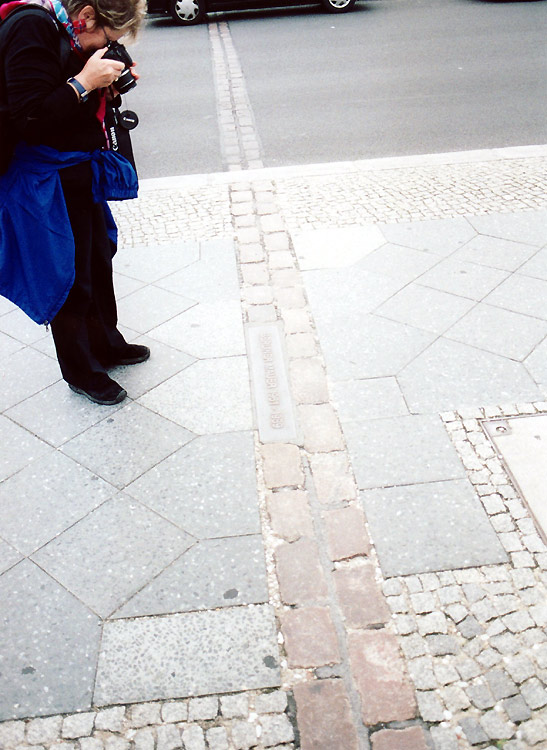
{"x": 368, "y": 399}
{"x": 208, "y": 487}
{"x": 8, "y": 556}
{"x": 195, "y": 653}
{"x": 96, "y": 558}
{"x": 25, "y": 373}
{"x": 50, "y": 642}
{"x": 427, "y": 527}
{"x": 331, "y": 248}
{"x": 47, "y": 497}
{"x": 212, "y": 574}
{"x": 402, "y": 263}
{"x": 401, "y": 450}
{"x": 521, "y": 294}
{"x": 150, "y": 306}
{"x": 19, "y": 448}
{"x": 438, "y": 236}
{"x": 530, "y": 227}
{"x": 463, "y": 278}
{"x": 140, "y": 262}
{"x": 536, "y": 266}
{"x": 496, "y": 252}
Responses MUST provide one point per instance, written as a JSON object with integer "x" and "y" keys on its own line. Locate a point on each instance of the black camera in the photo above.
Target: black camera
{"x": 117, "y": 51}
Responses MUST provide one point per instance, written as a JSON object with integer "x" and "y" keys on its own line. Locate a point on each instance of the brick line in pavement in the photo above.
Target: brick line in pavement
{"x": 342, "y": 661}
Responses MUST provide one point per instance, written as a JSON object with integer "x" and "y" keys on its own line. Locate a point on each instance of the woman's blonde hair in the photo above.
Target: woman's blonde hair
{"x": 121, "y": 15}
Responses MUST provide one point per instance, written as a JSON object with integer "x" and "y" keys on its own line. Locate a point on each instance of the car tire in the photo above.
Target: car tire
{"x": 338, "y": 6}
{"x": 187, "y": 12}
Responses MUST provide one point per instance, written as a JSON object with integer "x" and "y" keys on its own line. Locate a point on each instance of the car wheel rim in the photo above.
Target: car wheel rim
{"x": 187, "y": 10}
{"x": 339, "y": 3}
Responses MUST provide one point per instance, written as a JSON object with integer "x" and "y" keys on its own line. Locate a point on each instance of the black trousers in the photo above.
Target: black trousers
{"x": 85, "y": 328}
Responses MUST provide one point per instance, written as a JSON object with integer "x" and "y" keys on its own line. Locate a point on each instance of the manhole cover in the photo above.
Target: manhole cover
{"x": 522, "y": 444}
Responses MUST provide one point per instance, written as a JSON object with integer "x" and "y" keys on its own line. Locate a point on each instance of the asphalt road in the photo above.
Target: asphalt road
{"x": 393, "y": 77}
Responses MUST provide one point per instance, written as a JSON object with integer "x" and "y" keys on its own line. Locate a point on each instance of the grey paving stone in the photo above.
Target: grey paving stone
{"x": 376, "y": 348}
{"x": 536, "y": 363}
{"x": 442, "y": 645}
{"x": 401, "y": 450}
{"x": 481, "y": 696}
{"x": 151, "y": 306}
{"x": 212, "y": 329}
{"x": 368, "y": 399}
{"x": 521, "y": 294}
{"x": 31, "y": 513}
{"x": 127, "y": 444}
{"x": 8, "y": 345}
{"x": 501, "y": 685}
{"x": 335, "y": 247}
{"x": 19, "y": 448}
{"x": 525, "y": 226}
{"x": 149, "y": 263}
{"x": 425, "y": 308}
{"x": 496, "y": 253}
{"x": 56, "y": 414}
{"x": 195, "y": 653}
{"x": 215, "y": 573}
{"x": 499, "y": 331}
{"x": 473, "y": 730}
{"x": 23, "y": 374}
{"x": 8, "y": 555}
{"x": 463, "y": 278}
{"x": 109, "y": 555}
{"x": 470, "y": 627}
{"x": 439, "y": 236}
{"x": 50, "y": 642}
{"x": 452, "y": 375}
{"x": 208, "y": 487}
{"x": 401, "y": 263}
{"x": 435, "y": 526}
{"x": 20, "y": 327}
{"x": 516, "y": 709}
{"x": 536, "y": 266}
{"x": 124, "y": 285}
{"x": 210, "y": 396}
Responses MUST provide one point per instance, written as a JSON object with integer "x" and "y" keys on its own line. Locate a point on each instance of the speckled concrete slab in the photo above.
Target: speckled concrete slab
{"x": 195, "y": 653}
{"x": 214, "y": 573}
{"x": 428, "y": 527}
{"x": 50, "y": 642}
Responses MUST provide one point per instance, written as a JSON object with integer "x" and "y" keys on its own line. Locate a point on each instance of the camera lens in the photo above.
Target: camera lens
{"x": 125, "y": 82}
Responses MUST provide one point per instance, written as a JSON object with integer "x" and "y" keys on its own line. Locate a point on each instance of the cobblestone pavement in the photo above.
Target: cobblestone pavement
{"x": 375, "y": 580}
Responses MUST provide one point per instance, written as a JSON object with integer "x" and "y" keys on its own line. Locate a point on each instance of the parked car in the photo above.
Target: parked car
{"x": 189, "y": 12}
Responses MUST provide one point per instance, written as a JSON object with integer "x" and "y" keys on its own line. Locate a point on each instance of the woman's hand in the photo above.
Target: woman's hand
{"x": 98, "y": 72}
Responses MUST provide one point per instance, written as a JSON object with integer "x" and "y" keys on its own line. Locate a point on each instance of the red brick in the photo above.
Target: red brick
{"x": 324, "y": 716}
{"x": 346, "y": 533}
{"x": 332, "y": 478}
{"x": 411, "y": 738}
{"x": 290, "y": 514}
{"x": 310, "y": 637}
{"x": 301, "y": 578}
{"x": 379, "y": 674}
{"x": 360, "y": 598}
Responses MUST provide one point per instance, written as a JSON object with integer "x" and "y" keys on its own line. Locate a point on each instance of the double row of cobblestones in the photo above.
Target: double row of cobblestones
{"x": 227, "y": 722}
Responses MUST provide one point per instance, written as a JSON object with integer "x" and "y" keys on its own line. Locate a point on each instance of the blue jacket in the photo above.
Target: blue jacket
{"x": 36, "y": 241}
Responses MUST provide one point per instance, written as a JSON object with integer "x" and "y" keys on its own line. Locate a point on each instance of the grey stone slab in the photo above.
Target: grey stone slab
{"x": 25, "y": 373}
{"x": 463, "y": 278}
{"x": 536, "y": 364}
{"x": 427, "y": 527}
{"x": 6, "y": 306}
{"x": 8, "y": 556}
{"x": 19, "y": 448}
{"x": 499, "y": 331}
{"x": 425, "y": 308}
{"x": 21, "y": 327}
{"x": 536, "y": 266}
{"x": 526, "y": 226}
{"x": 151, "y": 306}
{"x": 212, "y": 329}
{"x": 149, "y": 263}
{"x": 439, "y": 236}
{"x": 335, "y": 246}
{"x": 124, "y": 285}
{"x": 401, "y": 450}
{"x": 164, "y": 362}
{"x": 212, "y": 279}
{"x": 110, "y": 554}
{"x": 521, "y": 294}
{"x": 208, "y": 488}
{"x": 401, "y": 263}
{"x": 187, "y": 654}
{"x": 45, "y": 498}
{"x": 126, "y": 444}
{"x": 210, "y": 396}
{"x": 50, "y": 643}
{"x": 8, "y": 345}
{"x": 57, "y": 414}
{"x": 368, "y": 399}
{"x": 452, "y": 375}
{"x": 494, "y": 252}
{"x": 212, "y": 574}
{"x": 376, "y": 348}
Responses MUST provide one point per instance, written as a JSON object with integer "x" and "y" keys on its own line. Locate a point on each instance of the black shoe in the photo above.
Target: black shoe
{"x": 132, "y": 354}
{"x": 110, "y": 394}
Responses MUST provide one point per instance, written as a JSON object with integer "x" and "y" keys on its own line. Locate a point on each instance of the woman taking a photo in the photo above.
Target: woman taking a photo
{"x": 56, "y": 241}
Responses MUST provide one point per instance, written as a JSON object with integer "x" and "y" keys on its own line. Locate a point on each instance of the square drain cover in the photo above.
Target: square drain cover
{"x": 522, "y": 444}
